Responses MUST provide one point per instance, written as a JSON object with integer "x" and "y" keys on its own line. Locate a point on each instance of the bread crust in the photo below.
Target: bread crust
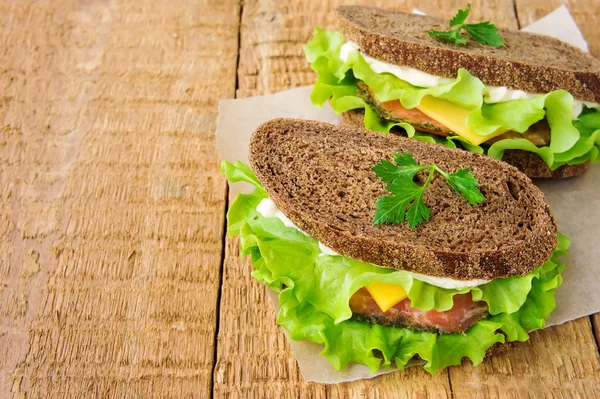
{"x": 527, "y": 162}
{"x": 499, "y": 348}
{"x": 530, "y": 62}
{"x": 320, "y": 176}
{"x": 535, "y": 167}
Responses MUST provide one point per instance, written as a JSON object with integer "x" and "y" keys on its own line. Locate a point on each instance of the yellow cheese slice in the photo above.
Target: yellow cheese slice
{"x": 454, "y": 117}
{"x": 386, "y": 295}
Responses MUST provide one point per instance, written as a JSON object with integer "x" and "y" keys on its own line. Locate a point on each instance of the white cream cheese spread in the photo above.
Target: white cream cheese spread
{"x": 269, "y": 209}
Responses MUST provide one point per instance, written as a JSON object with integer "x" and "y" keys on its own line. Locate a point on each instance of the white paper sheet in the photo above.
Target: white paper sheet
{"x": 561, "y": 25}
{"x": 574, "y": 202}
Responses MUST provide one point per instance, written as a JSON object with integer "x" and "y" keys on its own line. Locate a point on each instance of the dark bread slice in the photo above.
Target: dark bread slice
{"x": 535, "y": 167}
{"x": 529, "y": 62}
{"x": 499, "y": 348}
{"x": 320, "y": 177}
{"x": 527, "y": 162}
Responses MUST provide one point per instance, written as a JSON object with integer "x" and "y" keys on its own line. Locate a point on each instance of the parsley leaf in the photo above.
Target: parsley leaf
{"x": 465, "y": 184}
{"x": 392, "y": 209}
{"x": 485, "y": 33}
{"x": 404, "y": 186}
{"x": 482, "y": 32}
{"x": 405, "y": 159}
{"x": 453, "y": 36}
{"x": 418, "y": 211}
{"x": 460, "y": 16}
{"x": 407, "y": 203}
{"x": 387, "y": 171}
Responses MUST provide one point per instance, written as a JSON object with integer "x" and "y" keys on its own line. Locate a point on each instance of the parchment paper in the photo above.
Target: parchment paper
{"x": 574, "y": 202}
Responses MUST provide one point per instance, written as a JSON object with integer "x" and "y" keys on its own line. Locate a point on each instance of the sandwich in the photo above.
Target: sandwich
{"x": 527, "y": 99}
{"x": 388, "y": 250}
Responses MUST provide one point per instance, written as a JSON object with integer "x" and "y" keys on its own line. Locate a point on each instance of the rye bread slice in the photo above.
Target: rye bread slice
{"x": 320, "y": 176}
{"x": 527, "y": 162}
{"x": 535, "y": 167}
{"x": 528, "y": 61}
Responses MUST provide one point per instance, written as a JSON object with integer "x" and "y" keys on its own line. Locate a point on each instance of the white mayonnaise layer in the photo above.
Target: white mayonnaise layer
{"x": 269, "y": 209}
{"x": 410, "y": 75}
{"x": 491, "y": 94}
{"x": 448, "y": 283}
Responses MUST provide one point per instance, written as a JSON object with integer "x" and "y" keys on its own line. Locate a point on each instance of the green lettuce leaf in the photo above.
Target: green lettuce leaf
{"x": 360, "y": 342}
{"x": 314, "y": 292}
{"x": 571, "y": 143}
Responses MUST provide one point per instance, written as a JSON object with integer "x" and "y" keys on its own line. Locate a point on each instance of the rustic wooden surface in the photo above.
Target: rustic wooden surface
{"x": 112, "y": 207}
{"x": 115, "y": 277}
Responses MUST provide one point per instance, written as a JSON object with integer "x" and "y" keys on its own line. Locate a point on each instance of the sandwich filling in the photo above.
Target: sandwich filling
{"x": 538, "y": 133}
{"x": 375, "y": 315}
{"x": 491, "y": 94}
{"x": 389, "y": 305}
{"x": 462, "y": 111}
{"x": 462, "y": 315}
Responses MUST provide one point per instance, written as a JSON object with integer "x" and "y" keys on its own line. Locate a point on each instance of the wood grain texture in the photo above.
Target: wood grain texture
{"x": 112, "y": 208}
{"x": 557, "y": 362}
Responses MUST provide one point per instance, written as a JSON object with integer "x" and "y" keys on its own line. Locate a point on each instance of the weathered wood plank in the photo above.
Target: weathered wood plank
{"x": 560, "y": 361}
{"x": 111, "y": 208}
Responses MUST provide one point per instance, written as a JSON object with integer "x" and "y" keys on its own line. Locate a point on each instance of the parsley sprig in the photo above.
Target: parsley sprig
{"x": 482, "y": 32}
{"x": 407, "y": 194}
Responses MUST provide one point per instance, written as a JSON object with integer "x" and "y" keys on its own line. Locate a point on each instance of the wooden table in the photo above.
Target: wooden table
{"x": 116, "y": 279}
